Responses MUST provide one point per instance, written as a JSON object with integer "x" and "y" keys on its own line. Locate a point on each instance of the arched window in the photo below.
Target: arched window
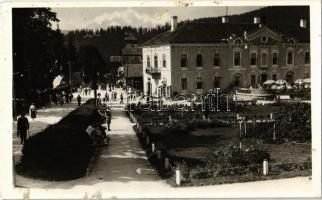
{"x": 216, "y": 59}
{"x": 199, "y": 83}
{"x": 148, "y": 63}
{"x": 199, "y": 60}
{"x": 237, "y": 58}
{"x": 156, "y": 61}
{"x": 238, "y": 42}
{"x": 183, "y": 60}
{"x": 290, "y": 57}
{"x": 253, "y": 80}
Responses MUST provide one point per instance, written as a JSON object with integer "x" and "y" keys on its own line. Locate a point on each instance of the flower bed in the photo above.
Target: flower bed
{"x": 62, "y": 151}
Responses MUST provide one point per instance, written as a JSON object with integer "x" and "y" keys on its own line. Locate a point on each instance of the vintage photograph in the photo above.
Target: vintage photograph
{"x": 162, "y": 101}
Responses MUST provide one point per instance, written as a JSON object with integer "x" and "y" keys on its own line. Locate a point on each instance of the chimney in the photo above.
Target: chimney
{"x": 174, "y": 23}
{"x": 302, "y": 23}
{"x": 224, "y": 19}
{"x": 257, "y": 20}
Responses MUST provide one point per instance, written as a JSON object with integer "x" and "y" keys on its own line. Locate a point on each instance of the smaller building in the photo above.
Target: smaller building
{"x": 132, "y": 63}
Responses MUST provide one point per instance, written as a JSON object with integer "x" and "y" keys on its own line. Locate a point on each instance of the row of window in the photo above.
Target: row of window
{"x": 237, "y": 59}
{"x": 156, "y": 61}
{"x": 184, "y": 83}
{"x": 253, "y": 59}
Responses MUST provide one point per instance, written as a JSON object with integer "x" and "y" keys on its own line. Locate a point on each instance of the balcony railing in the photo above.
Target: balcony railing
{"x": 155, "y": 72}
{"x": 148, "y": 70}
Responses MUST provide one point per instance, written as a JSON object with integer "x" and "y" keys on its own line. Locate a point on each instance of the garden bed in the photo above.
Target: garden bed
{"x": 190, "y": 143}
{"x": 63, "y": 150}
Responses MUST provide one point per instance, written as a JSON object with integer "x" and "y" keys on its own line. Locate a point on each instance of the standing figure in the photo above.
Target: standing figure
{"x": 54, "y": 99}
{"x": 61, "y": 99}
{"x": 22, "y": 128}
{"x": 121, "y": 97}
{"x": 115, "y": 96}
{"x": 71, "y": 97}
{"x": 108, "y": 116}
{"x": 79, "y": 99}
{"x": 67, "y": 97}
{"x": 32, "y": 111}
{"x": 107, "y": 97}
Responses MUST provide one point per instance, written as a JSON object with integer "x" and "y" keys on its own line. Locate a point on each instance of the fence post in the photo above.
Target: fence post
{"x": 166, "y": 163}
{"x": 271, "y": 116}
{"x": 170, "y": 120}
{"x": 240, "y": 145}
{"x": 265, "y": 167}
{"x": 153, "y": 147}
{"x": 178, "y": 177}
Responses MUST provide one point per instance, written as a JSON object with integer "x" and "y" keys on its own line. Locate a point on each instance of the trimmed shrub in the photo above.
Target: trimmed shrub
{"x": 62, "y": 151}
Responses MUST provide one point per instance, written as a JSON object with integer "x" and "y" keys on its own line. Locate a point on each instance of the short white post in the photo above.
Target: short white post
{"x": 170, "y": 119}
{"x": 178, "y": 177}
{"x": 240, "y": 128}
{"x": 265, "y": 167}
{"x": 237, "y": 116}
{"x": 271, "y": 116}
{"x": 274, "y": 132}
{"x": 159, "y": 154}
{"x": 245, "y": 126}
{"x": 240, "y": 145}
{"x": 147, "y": 140}
{"x": 166, "y": 163}
{"x": 153, "y": 147}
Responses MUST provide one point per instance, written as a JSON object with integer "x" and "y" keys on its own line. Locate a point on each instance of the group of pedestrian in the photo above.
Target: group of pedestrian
{"x": 63, "y": 97}
{"x": 87, "y": 91}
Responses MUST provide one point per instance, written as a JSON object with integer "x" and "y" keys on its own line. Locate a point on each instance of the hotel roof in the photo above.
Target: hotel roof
{"x": 210, "y": 32}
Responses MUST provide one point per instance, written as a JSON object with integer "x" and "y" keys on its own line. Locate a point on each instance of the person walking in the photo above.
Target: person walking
{"x": 32, "y": 111}
{"x": 79, "y": 99}
{"x": 22, "y": 128}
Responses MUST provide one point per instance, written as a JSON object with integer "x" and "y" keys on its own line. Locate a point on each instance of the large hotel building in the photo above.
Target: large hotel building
{"x": 196, "y": 57}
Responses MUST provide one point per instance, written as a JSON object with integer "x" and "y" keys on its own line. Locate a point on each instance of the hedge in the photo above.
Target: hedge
{"x": 61, "y": 151}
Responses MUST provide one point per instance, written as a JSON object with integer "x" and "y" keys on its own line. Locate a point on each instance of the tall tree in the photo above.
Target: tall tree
{"x": 36, "y": 46}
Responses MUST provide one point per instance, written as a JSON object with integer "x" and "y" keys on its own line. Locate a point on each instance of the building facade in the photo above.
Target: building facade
{"x": 197, "y": 57}
{"x": 132, "y": 63}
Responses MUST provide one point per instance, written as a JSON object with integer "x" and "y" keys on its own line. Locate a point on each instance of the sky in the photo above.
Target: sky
{"x": 94, "y": 18}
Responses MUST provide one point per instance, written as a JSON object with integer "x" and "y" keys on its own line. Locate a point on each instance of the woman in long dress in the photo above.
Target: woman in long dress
{"x": 32, "y": 111}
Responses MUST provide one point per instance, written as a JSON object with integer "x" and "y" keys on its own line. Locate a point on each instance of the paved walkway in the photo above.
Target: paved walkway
{"x": 114, "y": 175}
{"x": 45, "y": 117}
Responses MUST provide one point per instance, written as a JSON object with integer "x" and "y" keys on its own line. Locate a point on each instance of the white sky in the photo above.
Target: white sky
{"x": 79, "y": 18}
